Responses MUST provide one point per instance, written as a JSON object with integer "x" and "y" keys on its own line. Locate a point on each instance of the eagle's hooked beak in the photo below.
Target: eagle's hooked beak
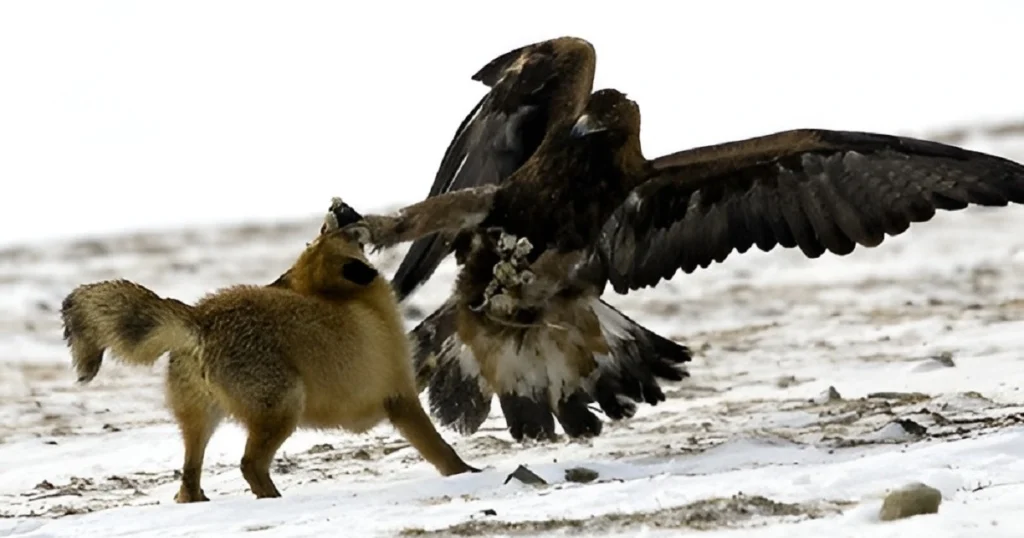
{"x": 586, "y": 125}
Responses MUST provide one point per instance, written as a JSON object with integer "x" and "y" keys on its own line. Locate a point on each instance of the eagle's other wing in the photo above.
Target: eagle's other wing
{"x": 492, "y": 142}
{"x": 813, "y": 189}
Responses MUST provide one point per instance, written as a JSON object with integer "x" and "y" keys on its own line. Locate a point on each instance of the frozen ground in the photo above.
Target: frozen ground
{"x": 922, "y": 338}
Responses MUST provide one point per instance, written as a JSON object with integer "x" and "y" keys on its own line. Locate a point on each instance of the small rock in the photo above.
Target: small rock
{"x": 388, "y": 450}
{"x": 945, "y": 358}
{"x": 785, "y": 381}
{"x": 414, "y": 312}
{"x": 526, "y": 476}
{"x": 490, "y": 512}
{"x": 903, "y": 396}
{"x": 936, "y": 362}
{"x": 184, "y": 267}
{"x": 828, "y": 395}
{"x": 911, "y": 500}
{"x": 581, "y": 475}
{"x": 361, "y": 454}
{"x": 320, "y": 448}
{"x": 911, "y": 427}
{"x": 111, "y": 428}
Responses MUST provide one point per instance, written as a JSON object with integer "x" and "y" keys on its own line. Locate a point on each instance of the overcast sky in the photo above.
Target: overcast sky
{"x": 129, "y": 115}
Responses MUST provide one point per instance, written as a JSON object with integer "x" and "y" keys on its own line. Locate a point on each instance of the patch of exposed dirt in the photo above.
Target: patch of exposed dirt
{"x": 726, "y": 512}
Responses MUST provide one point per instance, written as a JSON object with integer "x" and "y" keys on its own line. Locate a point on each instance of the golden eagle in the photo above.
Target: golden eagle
{"x": 585, "y": 208}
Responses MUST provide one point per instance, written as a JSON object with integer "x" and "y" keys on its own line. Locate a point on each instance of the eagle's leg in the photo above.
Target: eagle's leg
{"x": 509, "y": 275}
{"x": 548, "y": 276}
{"x": 453, "y": 211}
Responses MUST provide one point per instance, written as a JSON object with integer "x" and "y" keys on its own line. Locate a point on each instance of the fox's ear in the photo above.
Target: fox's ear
{"x": 358, "y": 272}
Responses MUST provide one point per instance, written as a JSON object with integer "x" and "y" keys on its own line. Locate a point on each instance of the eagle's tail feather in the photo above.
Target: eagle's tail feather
{"x": 576, "y": 418}
{"x": 638, "y": 361}
{"x": 527, "y": 417}
{"x": 457, "y": 396}
{"x": 639, "y": 358}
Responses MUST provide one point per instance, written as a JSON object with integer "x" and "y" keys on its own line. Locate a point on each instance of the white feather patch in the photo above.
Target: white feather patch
{"x": 634, "y": 200}
{"x": 469, "y": 366}
{"x": 537, "y": 365}
{"x": 613, "y": 324}
{"x": 459, "y": 169}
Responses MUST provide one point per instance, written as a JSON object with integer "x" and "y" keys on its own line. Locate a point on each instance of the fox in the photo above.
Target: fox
{"x": 323, "y": 346}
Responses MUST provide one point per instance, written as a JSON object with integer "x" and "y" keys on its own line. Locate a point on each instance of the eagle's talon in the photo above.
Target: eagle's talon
{"x": 521, "y": 249}
{"x": 505, "y": 273}
{"x": 506, "y": 244}
{"x": 483, "y": 304}
{"x": 490, "y": 291}
{"x": 496, "y": 233}
{"x": 503, "y": 304}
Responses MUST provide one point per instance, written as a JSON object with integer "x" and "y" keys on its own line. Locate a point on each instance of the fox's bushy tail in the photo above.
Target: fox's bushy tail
{"x": 137, "y": 325}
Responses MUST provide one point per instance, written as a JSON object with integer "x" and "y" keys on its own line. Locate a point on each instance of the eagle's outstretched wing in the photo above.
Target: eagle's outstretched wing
{"x": 813, "y": 189}
{"x": 493, "y": 141}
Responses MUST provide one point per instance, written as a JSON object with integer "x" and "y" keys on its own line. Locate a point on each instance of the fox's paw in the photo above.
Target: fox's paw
{"x": 185, "y": 496}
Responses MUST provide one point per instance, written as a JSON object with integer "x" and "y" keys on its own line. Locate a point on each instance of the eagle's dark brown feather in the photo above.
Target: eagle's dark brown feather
{"x": 533, "y": 89}
{"x": 815, "y": 190}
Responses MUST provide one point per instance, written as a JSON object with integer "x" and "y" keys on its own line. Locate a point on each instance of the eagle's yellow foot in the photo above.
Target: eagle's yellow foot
{"x": 506, "y": 244}
{"x": 510, "y": 274}
{"x": 522, "y": 249}
{"x": 513, "y": 249}
{"x": 490, "y": 291}
{"x": 505, "y": 274}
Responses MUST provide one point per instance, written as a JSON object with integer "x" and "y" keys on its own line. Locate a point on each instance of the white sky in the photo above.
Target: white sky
{"x": 127, "y": 115}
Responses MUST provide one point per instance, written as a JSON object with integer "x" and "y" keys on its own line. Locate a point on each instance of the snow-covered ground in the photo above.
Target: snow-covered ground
{"x": 922, "y": 338}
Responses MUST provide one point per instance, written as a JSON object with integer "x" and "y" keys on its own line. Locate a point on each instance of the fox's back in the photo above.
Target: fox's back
{"x": 327, "y": 342}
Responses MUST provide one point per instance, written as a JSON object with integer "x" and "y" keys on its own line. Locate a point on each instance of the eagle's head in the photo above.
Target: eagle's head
{"x": 610, "y": 115}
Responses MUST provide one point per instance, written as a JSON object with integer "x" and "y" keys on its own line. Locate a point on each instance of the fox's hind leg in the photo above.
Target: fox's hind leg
{"x": 268, "y": 399}
{"x": 256, "y": 386}
{"x": 198, "y": 416}
{"x": 266, "y": 435}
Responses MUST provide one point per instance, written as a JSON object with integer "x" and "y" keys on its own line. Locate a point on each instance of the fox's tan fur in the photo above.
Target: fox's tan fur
{"x": 324, "y": 346}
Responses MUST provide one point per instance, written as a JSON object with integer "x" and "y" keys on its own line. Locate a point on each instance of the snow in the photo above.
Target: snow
{"x": 118, "y": 117}
{"x": 920, "y": 337}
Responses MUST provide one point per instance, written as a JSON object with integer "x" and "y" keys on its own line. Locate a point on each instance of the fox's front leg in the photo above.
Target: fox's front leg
{"x": 453, "y": 211}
